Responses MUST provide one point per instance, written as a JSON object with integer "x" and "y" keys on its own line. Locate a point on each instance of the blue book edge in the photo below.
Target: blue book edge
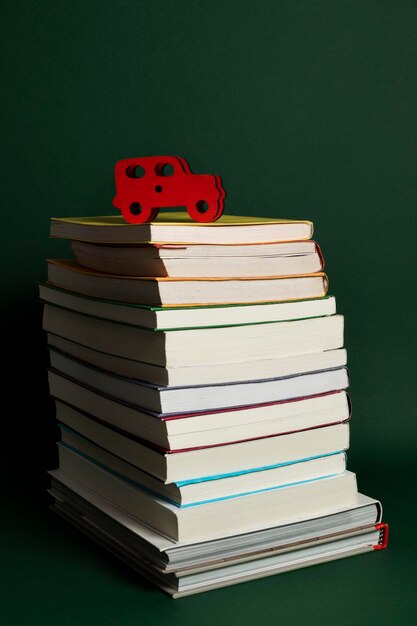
{"x": 179, "y": 484}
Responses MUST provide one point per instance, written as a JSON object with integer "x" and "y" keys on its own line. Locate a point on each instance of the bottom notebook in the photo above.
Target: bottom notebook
{"x": 347, "y": 533}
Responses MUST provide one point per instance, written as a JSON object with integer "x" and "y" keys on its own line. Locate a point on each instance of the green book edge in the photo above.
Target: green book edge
{"x": 176, "y": 308}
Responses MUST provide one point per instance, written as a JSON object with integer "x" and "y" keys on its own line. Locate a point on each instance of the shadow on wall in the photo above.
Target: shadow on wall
{"x": 29, "y": 449}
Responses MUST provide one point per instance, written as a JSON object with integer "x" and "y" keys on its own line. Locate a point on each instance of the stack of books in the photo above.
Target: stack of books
{"x": 199, "y": 377}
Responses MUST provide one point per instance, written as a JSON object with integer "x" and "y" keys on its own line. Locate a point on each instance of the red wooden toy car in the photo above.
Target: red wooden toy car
{"x": 146, "y": 184}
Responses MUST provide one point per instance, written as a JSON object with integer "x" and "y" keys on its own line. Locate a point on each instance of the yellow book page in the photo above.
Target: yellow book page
{"x": 178, "y": 218}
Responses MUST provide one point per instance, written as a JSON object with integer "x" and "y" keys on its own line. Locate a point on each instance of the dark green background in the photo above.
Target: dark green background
{"x": 307, "y": 110}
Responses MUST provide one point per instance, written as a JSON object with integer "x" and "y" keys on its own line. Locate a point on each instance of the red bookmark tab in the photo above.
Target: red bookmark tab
{"x": 383, "y": 536}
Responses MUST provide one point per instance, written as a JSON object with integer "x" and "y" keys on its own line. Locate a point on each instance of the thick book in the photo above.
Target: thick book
{"x": 192, "y": 492}
{"x": 171, "y": 465}
{"x": 199, "y": 346}
{"x": 190, "y": 583}
{"x": 214, "y": 519}
{"x": 165, "y": 318}
{"x": 115, "y": 531}
{"x": 167, "y": 555}
{"x": 68, "y": 274}
{"x": 210, "y": 374}
{"x": 197, "y": 398}
{"x": 186, "y": 261}
{"x": 178, "y": 227}
{"x": 193, "y": 430}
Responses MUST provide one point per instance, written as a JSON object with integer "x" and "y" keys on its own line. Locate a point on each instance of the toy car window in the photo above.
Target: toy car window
{"x": 135, "y": 171}
{"x": 164, "y": 169}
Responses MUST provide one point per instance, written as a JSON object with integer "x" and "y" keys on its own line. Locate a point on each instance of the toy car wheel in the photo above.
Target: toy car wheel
{"x": 137, "y": 213}
{"x": 202, "y": 211}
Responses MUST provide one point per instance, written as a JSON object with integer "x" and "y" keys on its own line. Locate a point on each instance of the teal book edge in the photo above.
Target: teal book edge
{"x": 151, "y": 492}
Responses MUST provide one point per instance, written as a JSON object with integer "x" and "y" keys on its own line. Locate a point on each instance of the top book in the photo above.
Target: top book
{"x": 178, "y": 227}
